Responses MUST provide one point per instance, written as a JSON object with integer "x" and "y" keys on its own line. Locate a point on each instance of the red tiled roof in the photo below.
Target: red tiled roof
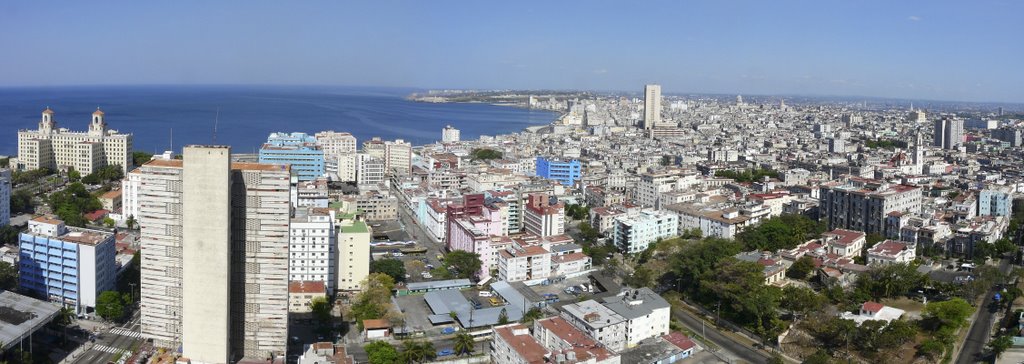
{"x": 871, "y": 306}
{"x": 678, "y": 339}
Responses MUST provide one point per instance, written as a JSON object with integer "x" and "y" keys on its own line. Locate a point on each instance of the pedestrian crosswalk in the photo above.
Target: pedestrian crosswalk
{"x": 125, "y": 332}
{"x": 107, "y": 349}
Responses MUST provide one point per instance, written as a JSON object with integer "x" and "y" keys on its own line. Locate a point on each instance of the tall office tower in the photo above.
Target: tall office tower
{"x": 652, "y": 106}
{"x": 918, "y": 156}
{"x": 50, "y": 147}
{"x": 206, "y": 254}
{"x": 451, "y": 135}
{"x": 949, "y": 133}
{"x": 5, "y": 197}
{"x": 369, "y": 169}
{"x": 398, "y": 157}
{"x": 214, "y": 255}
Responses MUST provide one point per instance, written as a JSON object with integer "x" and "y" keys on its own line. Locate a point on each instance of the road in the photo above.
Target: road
{"x": 112, "y": 342}
{"x": 745, "y": 352}
{"x": 981, "y": 327}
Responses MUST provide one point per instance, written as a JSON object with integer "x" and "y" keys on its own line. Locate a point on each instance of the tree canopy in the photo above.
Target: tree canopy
{"x": 749, "y": 175}
{"x": 70, "y": 203}
{"x": 375, "y": 300}
{"x": 780, "y": 232}
{"x": 463, "y": 264}
{"x": 110, "y": 305}
{"x": 392, "y": 267}
{"x": 482, "y": 154}
{"x": 382, "y": 352}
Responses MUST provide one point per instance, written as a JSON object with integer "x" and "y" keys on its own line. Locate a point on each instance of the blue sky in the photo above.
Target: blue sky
{"x": 941, "y": 50}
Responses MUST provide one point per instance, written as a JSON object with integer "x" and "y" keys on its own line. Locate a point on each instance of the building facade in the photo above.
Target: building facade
{"x": 5, "y": 197}
{"x": 652, "y": 106}
{"x": 863, "y": 204}
{"x": 544, "y": 216}
{"x": 949, "y": 133}
{"x": 58, "y": 148}
{"x": 632, "y": 234}
{"x": 67, "y": 265}
{"x": 353, "y": 254}
{"x": 313, "y": 248}
{"x": 566, "y": 172}
{"x": 215, "y": 255}
{"x": 449, "y": 134}
{"x": 992, "y": 202}
{"x": 299, "y": 150}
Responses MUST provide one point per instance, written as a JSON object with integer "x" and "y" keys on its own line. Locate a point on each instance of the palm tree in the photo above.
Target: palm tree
{"x": 464, "y": 344}
{"x": 531, "y": 315}
{"x": 417, "y": 351}
{"x": 65, "y": 317}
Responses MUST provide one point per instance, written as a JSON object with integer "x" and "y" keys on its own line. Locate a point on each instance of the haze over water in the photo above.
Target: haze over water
{"x": 248, "y": 114}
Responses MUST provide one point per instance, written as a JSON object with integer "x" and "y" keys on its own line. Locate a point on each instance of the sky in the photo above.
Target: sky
{"x": 938, "y": 50}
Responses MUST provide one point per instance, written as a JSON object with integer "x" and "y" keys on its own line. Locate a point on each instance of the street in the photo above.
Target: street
{"x": 112, "y": 342}
{"x": 740, "y": 351}
{"x": 981, "y": 327}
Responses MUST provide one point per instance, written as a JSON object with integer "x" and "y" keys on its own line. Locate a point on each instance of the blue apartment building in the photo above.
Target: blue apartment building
{"x": 66, "y": 265}
{"x": 299, "y": 150}
{"x": 565, "y": 171}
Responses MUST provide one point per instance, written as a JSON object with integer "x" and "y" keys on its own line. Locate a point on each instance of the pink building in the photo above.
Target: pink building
{"x": 472, "y": 232}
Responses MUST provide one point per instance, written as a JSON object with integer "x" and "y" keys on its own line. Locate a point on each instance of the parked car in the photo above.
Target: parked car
{"x": 445, "y": 352}
{"x": 476, "y": 304}
{"x": 495, "y": 301}
{"x": 486, "y": 294}
{"x": 449, "y": 330}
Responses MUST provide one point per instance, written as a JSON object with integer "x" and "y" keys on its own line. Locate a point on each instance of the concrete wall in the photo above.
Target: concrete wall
{"x": 206, "y": 254}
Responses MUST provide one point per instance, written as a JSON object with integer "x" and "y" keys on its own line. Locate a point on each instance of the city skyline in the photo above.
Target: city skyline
{"x": 913, "y": 50}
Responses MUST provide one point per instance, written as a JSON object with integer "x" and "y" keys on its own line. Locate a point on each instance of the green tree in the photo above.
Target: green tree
{"x": 321, "y": 308}
{"x": 693, "y": 261}
{"x": 392, "y": 267}
{"x": 463, "y": 264}
{"x": 890, "y": 281}
{"x": 139, "y": 158}
{"x": 131, "y": 223}
{"x": 463, "y": 344}
{"x": 1000, "y": 344}
{"x": 532, "y": 315}
{"x": 801, "y": 301}
{"x": 776, "y": 359}
{"x": 502, "y": 317}
{"x": 588, "y": 233}
{"x": 819, "y": 357}
{"x": 931, "y": 348}
{"x": 74, "y": 175}
{"x": 418, "y": 351}
{"x": 483, "y": 154}
{"x": 8, "y": 276}
{"x": 110, "y": 305}
{"x": 801, "y": 268}
{"x": 21, "y": 202}
{"x": 382, "y": 352}
{"x": 72, "y": 202}
{"x": 375, "y": 300}
{"x": 108, "y": 222}
{"x": 947, "y": 315}
{"x": 9, "y": 235}
{"x": 872, "y": 239}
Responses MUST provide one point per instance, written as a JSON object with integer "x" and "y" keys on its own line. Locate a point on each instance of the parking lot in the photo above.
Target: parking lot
{"x": 558, "y": 288}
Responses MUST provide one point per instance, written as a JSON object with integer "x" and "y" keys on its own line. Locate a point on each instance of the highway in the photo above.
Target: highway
{"x": 981, "y": 327}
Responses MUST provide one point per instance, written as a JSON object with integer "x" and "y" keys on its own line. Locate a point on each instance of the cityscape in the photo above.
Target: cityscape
{"x": 551, "y": 220}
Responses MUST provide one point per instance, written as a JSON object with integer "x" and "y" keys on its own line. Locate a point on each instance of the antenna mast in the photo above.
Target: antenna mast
{"x": 216, "y": 120}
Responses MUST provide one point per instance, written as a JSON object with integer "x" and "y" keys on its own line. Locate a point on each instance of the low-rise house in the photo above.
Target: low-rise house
{"x": 845, "y": 243}
{"x": 774, "y": 269}
{"x": 874, "y": 311}
{"x": 302, "y": 293}
{"x": 326, "y": 353}
{"x": 891, "y": 252}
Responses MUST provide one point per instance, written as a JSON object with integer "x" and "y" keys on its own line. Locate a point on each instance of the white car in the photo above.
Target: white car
{"x": 486, "y": 294}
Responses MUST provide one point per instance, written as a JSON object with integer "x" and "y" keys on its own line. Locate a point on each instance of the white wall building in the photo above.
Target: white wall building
{"x": 312, "y": 247}
{"x": 646, "y": 314}
{"x": 892, "y": 252}
{"x": 50, "y": 147}
{"x": 632, "y": 234}
{"x": 449, "y": 134}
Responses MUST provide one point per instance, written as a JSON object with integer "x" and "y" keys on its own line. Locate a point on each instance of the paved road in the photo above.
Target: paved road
{"x": 974, "y": 345}
{"x": 741, "y": 351}
{"x": 120, "y": 338}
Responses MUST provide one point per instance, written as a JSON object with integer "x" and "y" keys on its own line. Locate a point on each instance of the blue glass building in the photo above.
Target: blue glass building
{"x": 297, "y": 149}
{"x": 566, "y": 172}
{"x": 67, "y": 265}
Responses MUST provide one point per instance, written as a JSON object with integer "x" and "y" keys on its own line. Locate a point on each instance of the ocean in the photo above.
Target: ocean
{"x": 247, "y": 114}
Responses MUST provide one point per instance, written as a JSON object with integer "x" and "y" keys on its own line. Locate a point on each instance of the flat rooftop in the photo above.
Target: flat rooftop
{"x": 20, "y": 316}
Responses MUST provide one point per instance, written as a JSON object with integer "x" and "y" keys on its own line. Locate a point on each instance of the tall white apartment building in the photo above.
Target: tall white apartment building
{"x": 633, "y": 233}
{"x": 646, "y": 314}
{"x": 449, "y": 134}
{"x": 52, "y": 147}
{"x": 652, "y": 106}
{"x": 5, "y": 197}
{"x": 339, "y": 153}
{"x": 215, "y": 255}
{"x": 312, "y": 249}
{"x": 653, "y": 185}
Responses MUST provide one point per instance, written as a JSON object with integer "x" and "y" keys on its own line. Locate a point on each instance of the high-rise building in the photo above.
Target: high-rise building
{"x": 339, "y": 154}
{"x": 917, "y": 116}
{"x": 949, "y": 133}
{"x": 5, "y": 197}
{"x": 299, "y": 150}
{"x": 1009, "y": 135}
{"x": 67, "y": 265}
{"x": 353, "y": 254}
{"x": 215, "y": 255}
{"x": 449, "y": 134}
{"x": 633, "y": 233}
{"x": 652, "y": 106}
{"x": 863, "y": 204}
{"x": 369, "y": 169}
{"x": 995, "y": 201}
{"x": 50, "y": 147}
{"x": 397, "y": 154}
{"x": 544, "y": 216}
{"x": 312, "y": 252}
{"x": 566, "y": 172}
